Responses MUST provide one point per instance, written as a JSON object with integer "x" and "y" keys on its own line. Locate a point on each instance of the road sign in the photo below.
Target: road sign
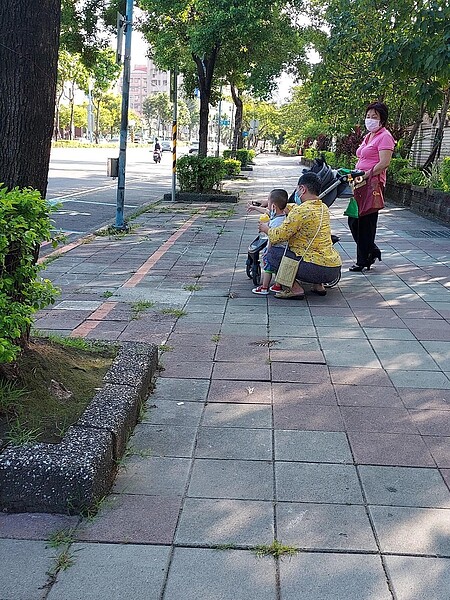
{"x": 225, "y": 122}
{"x": 245, "y": 134}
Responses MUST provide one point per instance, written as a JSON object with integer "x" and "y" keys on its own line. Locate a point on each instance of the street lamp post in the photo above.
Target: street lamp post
{"x": 124, "y": 117}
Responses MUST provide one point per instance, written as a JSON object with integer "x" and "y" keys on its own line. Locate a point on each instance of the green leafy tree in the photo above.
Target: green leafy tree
{"x": 71, "y": 75}
{"x": 198, "y": 36}
{"x": 158, "y": 107}
{"x": 103, "y": 74}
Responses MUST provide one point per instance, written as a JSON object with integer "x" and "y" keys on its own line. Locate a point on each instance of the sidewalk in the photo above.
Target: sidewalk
{"x": 323, "y": 424}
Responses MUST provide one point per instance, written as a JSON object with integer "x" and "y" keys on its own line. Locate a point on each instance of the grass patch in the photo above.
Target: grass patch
{"x": 216, "y": 338}
{"x": 165, "y": 348}
{"x": 107, "y": 294}
{"x": 137, "y": 308}
{"x": 175, "y": 312}
{"x": 276, "y": 549}
{"x": 192, "y": 287}
{"x": 49, "y": 387}
{"x": 220, "y": 214}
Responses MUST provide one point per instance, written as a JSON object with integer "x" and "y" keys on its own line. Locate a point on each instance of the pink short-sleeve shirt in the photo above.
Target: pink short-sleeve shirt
{"x": 368, "y": 153}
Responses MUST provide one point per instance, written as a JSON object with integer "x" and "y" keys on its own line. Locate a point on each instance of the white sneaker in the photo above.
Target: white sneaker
{"x": 260, "y": 291}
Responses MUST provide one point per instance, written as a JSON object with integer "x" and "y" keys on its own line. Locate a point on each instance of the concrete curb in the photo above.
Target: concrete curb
{"x": 74, "y": 475}
{"x": 202, "y": 197}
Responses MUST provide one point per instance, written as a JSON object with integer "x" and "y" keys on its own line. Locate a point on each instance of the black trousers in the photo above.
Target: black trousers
{"x": 363, "y": 231}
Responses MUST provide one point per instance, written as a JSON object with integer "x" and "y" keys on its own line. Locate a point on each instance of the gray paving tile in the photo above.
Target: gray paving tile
{"x": 440, "y": 352}
{"x": 319, "y": 576}
{"x": 368, "y": 395}
{"x": 217, "y": 522}
{"x": 250, "y": 391}
{"x": 220, "y": 575}
{"x": 403, "y": 530}
{"x": 415, "y": 578}
{"x": 232, "y": 442}
{"x": 388, "y": 333}
{"x": 304, "y": 393}
{"x": 307, "y": 417}
{"x": 404, "y": 486}
{"x": 33, "y": 526}
{"x": 186, "y": 369}
{"x": 404, "y": 355}
{"x": 168, "y": 412}
{"x": 419, "y": 379}
{"x": 238, "y": 479}
{"x": 24, "y": 568}
{"x": 339, "y": 332}
{"x": 312, "y": 446}
{"x": 324, "y": 526}
{"x": 313, "y": 482}
{"x": 162, "y": 440}
{"x": 299, "y": 373}
{"x": 180, "y": 390}
{"x": 349, "y": 353}
{"x": 241, "y": 371}
{"x": 237, "y": 415}
{"x": 114, "y": 571}
{"x": 360, "y": 376}
{"x": 153, "y": 476}
{"x": 125, "y": 519}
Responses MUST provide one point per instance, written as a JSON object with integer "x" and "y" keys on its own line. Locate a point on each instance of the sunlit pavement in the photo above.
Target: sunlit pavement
{"x": 323, "y": 424}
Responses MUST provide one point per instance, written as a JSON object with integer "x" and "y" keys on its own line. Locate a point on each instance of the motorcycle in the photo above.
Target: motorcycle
{"x": 157, "y": 156}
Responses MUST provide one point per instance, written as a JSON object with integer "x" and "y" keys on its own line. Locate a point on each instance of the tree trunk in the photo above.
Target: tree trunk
{"x": 205, "y": 71}
{"x": 28, "y": 63}
{"x": 439, "y": 133}
{"x": 412, "y": 134}
{"x": 237, "y": 134}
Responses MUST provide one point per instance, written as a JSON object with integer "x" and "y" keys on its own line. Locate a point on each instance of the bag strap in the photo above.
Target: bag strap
{"x": 315, "y": 235}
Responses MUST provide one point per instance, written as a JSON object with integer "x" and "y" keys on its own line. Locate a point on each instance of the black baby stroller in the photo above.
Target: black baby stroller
{"x": 253, "y": 266}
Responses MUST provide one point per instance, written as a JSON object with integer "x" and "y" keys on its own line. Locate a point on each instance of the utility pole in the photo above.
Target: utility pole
{"x": 127, "y": 23}
{"x": 174, "y": 99}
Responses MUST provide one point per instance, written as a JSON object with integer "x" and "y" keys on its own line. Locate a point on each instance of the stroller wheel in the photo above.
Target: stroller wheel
{"x": 256, "y": 272}
{"x": 332, "y": 283}
{"x": 248, "y": 268}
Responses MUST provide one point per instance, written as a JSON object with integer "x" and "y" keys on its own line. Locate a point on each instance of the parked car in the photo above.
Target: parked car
{"x": 166, "y": 146}
{"x": 193, "y": 149}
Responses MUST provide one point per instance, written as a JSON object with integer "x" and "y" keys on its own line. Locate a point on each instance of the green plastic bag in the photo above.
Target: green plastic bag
{"x": 352, "y": 209}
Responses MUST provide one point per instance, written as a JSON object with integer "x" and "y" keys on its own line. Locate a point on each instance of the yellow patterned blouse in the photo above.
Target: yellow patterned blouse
{"x": 299, "y": 228}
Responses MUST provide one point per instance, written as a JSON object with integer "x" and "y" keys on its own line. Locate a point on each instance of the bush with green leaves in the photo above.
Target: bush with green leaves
{"x": 24, "y": 225}
{"x": 396, "y": 165}
{"x": 200, "y": 173}
{"x": 232, "y": 167}
{"x": 410, "y": 175}
{"x": 445, "y": 174}
{"x": 243, "y": 156}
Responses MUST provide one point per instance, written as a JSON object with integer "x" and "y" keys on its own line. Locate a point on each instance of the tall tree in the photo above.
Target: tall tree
{"x": 198, "y": 36}
{"x": 28, "y": 71}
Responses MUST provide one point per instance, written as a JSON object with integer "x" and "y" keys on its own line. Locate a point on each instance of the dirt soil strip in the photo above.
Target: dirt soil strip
{"x": 104, "y": 309}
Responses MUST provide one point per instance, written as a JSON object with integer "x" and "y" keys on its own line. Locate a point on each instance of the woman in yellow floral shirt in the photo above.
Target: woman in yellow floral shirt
{"x": 307, "y": 231}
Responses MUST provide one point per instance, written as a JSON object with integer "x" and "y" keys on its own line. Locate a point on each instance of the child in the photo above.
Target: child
{"x": 276, "y": 207}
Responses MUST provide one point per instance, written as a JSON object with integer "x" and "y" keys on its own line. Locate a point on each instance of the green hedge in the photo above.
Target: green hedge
{"x": 232, "y": 166}
{"x": 24, "y": 225}
{"x": 445, "y": 174}
{"x": 200, "y": 174}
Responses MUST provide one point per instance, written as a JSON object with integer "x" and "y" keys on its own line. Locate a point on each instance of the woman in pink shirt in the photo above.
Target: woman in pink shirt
{"x": 374, "y": 153}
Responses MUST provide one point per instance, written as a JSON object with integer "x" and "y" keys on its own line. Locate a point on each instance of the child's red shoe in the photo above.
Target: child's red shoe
{"x": 276, "y": 287}
{"x": 260, "y": 290}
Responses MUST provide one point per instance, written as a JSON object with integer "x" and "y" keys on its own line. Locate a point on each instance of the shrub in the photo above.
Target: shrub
{"x": 410, "y": 175}
{"x": 310, "y": 153}
{"x": 227, "y": 154}
{"x": 396, "y": 165}
{"x": 348, "y": 144}
{"x": 243, "y": 156}
{"x": 24, "y": 225}
{"x": 251, "y": 154}
{"x": 200, "y": 174}
{"x": 445, "y": 174}
{"x": 232, "y": 167}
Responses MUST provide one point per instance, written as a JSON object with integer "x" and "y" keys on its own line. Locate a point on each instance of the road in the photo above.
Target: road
{"x": 78, "y": 182}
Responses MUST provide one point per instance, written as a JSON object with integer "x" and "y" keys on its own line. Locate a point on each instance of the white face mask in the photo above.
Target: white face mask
{"x": 372, "y": 124}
